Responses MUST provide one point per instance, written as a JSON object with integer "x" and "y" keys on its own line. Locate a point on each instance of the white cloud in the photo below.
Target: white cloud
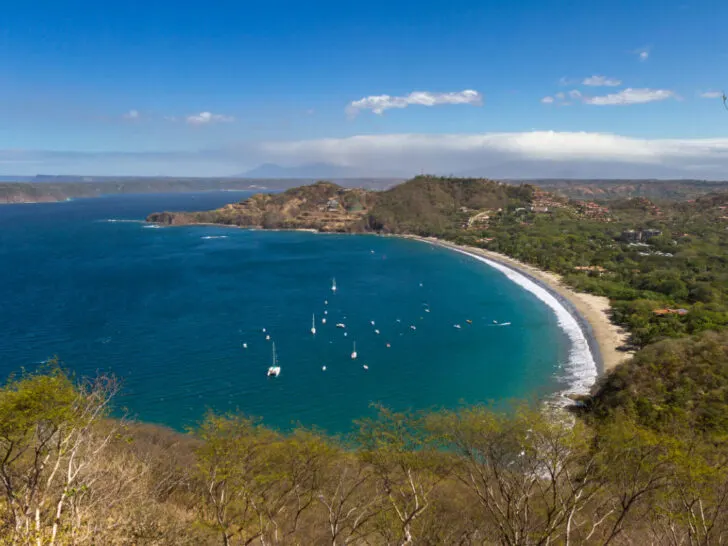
{"x": 205, "y": 118}
{"x": 547, "y": 100}
{"x": 131, "y": 114}
{"x": 631, "y": 96}
{"x": 575, "y": 94}
{"x": 560, "y": 95}
{"x": 379, "y": 103}
{"x": 643, "y": 53}
{"x": 711, "y": 94}
{"x": 535, "y": 154}
{"x": 456, "y": 153}
{"x": 601, "y": 81}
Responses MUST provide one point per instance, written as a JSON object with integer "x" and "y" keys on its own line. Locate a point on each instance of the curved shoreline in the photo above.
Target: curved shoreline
{"x": 591, "y": 313}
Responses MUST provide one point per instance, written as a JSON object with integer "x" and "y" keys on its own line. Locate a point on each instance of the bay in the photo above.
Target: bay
{"x": 169, "y": 309}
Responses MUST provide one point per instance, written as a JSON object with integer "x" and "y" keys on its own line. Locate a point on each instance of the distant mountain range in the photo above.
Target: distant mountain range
{"x": 319, "y": 171}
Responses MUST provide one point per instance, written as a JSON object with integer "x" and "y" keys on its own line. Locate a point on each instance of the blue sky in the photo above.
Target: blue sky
{"x": 216, "y": 88}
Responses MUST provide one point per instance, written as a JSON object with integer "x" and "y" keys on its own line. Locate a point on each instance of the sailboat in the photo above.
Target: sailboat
{"x": 313, "y": 324}
{"x": 353, "y": 353}
{"x": 275, "y": 369}
{"x": 333, "y": 285}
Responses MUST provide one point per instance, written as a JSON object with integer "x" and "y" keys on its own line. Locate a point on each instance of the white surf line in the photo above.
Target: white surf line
{"x": 581, "y": 367}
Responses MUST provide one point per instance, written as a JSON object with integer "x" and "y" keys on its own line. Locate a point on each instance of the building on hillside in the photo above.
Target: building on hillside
{"x": 663, "y": 312}
{"x": 639, "y": 236}
{"x": 598, "y": 269}
{"x": 332, "y": 205}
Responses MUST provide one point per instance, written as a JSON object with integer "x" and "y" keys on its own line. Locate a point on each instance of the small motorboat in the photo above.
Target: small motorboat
{"x": 365, "y": 367}
{"x": 388, "y": 345}
{"x": 354, "y": 353}
{"x": 333, "y": 285}
{"x": 371, "y": 322}
{"x": 313, "y": 324}
{"x": 413, "y": 327}
{"x": 341, "y": 325}
{"x": 323, "y": 320}
{"x": 323, "y": 368}
{"x": 245, "y": 345}
{"x": 456, "y": 326}
{"x": 468, "y": 321}
{"x": 267, "y": 337}
{"x": 376, "y": 332}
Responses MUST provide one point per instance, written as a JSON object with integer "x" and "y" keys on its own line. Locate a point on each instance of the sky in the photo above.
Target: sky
{"x": 589, "y": 88}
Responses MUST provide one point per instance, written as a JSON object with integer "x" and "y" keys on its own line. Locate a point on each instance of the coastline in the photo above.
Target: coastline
{"x": 591, "y": 312}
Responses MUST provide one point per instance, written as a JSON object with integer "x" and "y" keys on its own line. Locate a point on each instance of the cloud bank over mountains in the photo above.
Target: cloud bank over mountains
{"x": 515, "y": 154}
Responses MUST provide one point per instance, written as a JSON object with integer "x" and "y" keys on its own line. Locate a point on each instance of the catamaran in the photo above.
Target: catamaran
{"x": 275, "y": 369}
{"x": 313, "y": 324}
{"x": 333, "y": 285}
{"x": 353, "y": 353}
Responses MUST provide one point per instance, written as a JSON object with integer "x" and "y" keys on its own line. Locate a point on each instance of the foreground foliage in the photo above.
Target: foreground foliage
{"x": 473, "y": 476}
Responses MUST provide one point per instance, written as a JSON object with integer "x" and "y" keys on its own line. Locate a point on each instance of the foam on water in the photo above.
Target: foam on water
{"x": 214, "y": 237}
{"x": 122, "y": 221}
{"x": 581, "y": 368}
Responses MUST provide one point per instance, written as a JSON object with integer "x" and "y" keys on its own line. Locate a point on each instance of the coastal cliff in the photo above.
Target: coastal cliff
{"x": 423, "y": 205}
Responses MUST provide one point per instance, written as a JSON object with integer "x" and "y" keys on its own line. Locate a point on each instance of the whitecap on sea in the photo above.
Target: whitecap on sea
{"x": 581, "y": 369}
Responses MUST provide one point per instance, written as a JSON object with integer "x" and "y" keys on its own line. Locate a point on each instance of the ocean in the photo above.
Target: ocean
{"x": 168, "y": 310}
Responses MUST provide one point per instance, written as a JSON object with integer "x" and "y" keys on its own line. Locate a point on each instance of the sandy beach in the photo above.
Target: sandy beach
{"x": 595, "y": 310}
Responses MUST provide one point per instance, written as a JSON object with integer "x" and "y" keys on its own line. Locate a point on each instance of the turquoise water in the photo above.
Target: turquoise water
{"x": 168, "y": 309}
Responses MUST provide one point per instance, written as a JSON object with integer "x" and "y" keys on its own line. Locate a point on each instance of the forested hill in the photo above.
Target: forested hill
{"x": 607, "y": 190}
{"x": 424, "y": 205}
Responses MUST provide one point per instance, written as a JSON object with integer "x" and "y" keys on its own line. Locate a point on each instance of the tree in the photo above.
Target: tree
{"x": 52, "y": 440}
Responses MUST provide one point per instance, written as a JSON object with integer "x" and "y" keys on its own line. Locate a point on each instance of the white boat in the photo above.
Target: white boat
{"x": 326, "y": 302}
{"x": 323, "y": 320}
{"x": 326, "y": 312}
{"x": 456, "y": 326}
{"x": 427, "y": 310}
{"x": 245, "y": 345}
{"x": 389, "y": 345}
{"x": 341, "y": 325}
{"x": 365, "y": 367}
{"x": 353, "y": 353}
{"x": 313, "y": 324}
{"x": 323, "y": 368}
{"x": 275, "y": 369}
{"x": 346, "y": 334}
{"x": 504, "y": 324}
{"x": 413, "y": 327}
{"x": 333, "y": 285}
{"x": 267, "y": 337}
{"x": 264, "y": 329}
{"x": 372, "y": 323}
{"x": 376, "y": 332}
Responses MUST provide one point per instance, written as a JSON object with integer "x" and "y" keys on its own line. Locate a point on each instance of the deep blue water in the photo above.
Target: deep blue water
{"x": 168, "y": 310}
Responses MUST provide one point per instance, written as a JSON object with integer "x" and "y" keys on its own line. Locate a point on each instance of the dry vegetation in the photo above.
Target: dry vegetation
{"x": 72, "y": 475}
